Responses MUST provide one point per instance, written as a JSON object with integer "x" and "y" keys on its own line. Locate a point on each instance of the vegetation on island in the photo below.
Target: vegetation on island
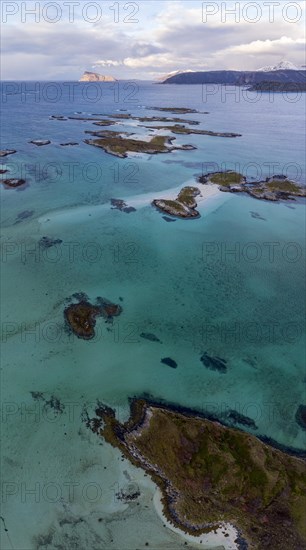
{"x": 178, "y": 129}
{"x": 184, "y": 206}
{"x": 278, "y": 187}
{"x": 119, "y": 146}
{"x": 209, "y": 474}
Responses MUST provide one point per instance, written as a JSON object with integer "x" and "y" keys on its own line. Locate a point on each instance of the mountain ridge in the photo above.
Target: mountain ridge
{"x": 238, "y": 78}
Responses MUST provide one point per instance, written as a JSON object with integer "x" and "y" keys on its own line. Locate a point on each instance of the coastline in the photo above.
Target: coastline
{"x": 214, "y": 540}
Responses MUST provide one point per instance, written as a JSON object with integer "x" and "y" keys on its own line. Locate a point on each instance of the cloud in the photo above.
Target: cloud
{"x": 170, "y": 36}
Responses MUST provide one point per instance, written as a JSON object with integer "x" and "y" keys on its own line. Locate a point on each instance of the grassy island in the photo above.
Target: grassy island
{"x": 276, "y": 188}
{"x": 178, "y": 129}
{"x": 184, "y": 206}
{"x": 119, "y": 146}
{"x": 209, "y": 473}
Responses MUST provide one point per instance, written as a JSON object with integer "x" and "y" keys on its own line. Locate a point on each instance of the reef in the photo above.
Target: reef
{"x": 276, "y": 188}
{"x": 184, "y": 206}
{"x": 210, "y": 474}
{"x": 6, "y": 152}
{"x": 24, "y": 215}
{"x": 119, "y": 204}
{"x": 119, "y": 146}
{"x": 214, "y": 363}
{"x": 81, "y": 317}
{"x": 13, "y": 183}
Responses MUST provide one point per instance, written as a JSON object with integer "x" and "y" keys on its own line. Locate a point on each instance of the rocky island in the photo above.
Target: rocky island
{"x": 115, "y": 144}
{"x": 89, "y": 76}
{"x": 178, "y": 129}
{"x": 81, "y": 317}
{"x": 276, "y": 188}
{"x": 13, "y": 183}
{"x": 209, "y": 474}
{"x": 184, "y": 206}
{"x": 6, "y": 152}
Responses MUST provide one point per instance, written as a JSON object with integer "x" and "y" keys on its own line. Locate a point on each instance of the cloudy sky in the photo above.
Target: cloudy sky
{"x": 146, "y": 39}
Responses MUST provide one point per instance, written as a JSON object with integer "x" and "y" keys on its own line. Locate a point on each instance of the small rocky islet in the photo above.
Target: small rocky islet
{"x": 183, "y": 130}
{"x": 6, "y": 152}
{"x": 81, "y": 316}
{"x": 40, "y": 142}
{"x": 13, "y": 183}
{"x": 211, "y": 474}
{"x": 275, "y": 188}
{"x": 184, "y": 206}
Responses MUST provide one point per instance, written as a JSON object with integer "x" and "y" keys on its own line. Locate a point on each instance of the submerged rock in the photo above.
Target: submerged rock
{"x": 300, "y": 416}
{"x": 169, "y": 220}
{"x": 108, "y": 309}
{"x": 169, "y": 362}
{"x": 257, "y": 216}
{"x": 149, "y": 336}
{"x": 214, "y": 363}
{"x": 238, "y": 418}
{"x": 47, "y": 242}
{"x": 119, "y": 204}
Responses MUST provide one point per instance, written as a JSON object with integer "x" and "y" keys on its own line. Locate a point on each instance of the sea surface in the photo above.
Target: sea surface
{"x": 230, "y": 284}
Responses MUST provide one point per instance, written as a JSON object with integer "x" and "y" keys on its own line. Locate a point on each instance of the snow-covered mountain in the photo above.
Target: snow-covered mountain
{"x": 282, "y": 66}
{"x": 174, "y": 73}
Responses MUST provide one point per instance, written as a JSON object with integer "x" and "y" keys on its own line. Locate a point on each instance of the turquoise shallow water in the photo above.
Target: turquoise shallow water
{"x": 230, "y": 284}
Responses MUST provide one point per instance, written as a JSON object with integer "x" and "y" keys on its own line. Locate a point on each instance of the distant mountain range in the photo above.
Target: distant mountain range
{"x": 238, "y": 78}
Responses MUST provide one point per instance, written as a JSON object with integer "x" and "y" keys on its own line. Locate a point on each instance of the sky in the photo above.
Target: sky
{"x": 146, "y": 39}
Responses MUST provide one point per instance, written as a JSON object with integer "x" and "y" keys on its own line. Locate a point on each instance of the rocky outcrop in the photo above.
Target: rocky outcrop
{"x": 184, "y": 206}
{"x": 276, "y": 188}
{"x": 89, "y": 76}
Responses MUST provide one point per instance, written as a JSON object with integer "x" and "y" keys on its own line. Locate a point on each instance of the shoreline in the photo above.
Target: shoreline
{"x": 214, "y": 540}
